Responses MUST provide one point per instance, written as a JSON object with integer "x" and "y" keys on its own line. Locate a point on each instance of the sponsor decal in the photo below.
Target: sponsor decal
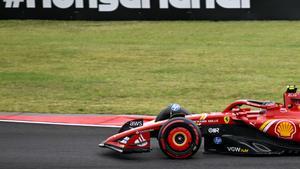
{"x": 285, "y": 129}
{"x": 175, "y": 107}
{"x": 263, "y": 126}
{"x": 203, "y": 116}
{"x": 203, "y": 119}
{"x": 124, "y": 140}
{"x": 213, "y": 121}
{"x": 292, "y": 94}
{"x": 283, "y": 110}
{"x": 226, "y": 119}
{"x": 237, "y": 149}
{"x": 217, "y": 140}
{"x": 141, "y": 141}
{"x": 213, "y": 130}
{"x": 266, "y": 125}
{"x": 113, "y": 5}
{"x": 210, "y": 121}
{"x": 136, "y": 123}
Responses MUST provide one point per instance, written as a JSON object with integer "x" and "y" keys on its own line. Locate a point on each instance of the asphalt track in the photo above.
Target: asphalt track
{"x": 36, "y": 146}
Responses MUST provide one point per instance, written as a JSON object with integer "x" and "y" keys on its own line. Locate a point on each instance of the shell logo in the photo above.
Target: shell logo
{"x": 285, "y": 129}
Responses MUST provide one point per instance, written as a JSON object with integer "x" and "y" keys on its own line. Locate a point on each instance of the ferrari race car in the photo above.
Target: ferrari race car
{"x": 247, "y": 127}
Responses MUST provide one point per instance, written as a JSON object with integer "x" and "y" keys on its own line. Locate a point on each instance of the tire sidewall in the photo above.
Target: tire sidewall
{"x": 172, "y": 124}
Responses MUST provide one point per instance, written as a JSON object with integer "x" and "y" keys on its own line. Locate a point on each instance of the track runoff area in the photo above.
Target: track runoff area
{"x": 30, "y": 141}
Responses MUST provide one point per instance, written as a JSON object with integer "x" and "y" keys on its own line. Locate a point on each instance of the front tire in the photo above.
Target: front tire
{"x": 179, "y": 138}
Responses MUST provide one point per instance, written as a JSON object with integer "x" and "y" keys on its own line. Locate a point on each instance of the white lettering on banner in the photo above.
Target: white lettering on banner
{"x": 79, "y": 3}
{"x": 138, "y": 4}
{"x": 30, "y": 4}
{"x": 12, "y": 3}
{"x": 230, "y": 4}
{"x": 112, "y": 5}
{"x": 146, "y": 4}
{"x": 108, "y": 5}
{"x": 93, "y": 3}
{"x": 182, "y": 4}
{"x": 195, "y": 4}
{"x": 63, "y": 3}
{"x": 47, "y": 4}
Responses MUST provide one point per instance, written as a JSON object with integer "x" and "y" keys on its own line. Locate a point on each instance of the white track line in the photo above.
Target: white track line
{"x": 60, "y": 124}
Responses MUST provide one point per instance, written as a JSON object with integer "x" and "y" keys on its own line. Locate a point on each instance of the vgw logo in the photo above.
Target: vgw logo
{"x": 237, "y": 150}
{"x": 112, "y": 5}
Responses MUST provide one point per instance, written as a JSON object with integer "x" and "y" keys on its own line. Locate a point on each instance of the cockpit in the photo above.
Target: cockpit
{"x": 292, "y": 98}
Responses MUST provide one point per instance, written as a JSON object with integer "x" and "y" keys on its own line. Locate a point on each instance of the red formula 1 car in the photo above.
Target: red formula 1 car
{"x": 245, "y": 127}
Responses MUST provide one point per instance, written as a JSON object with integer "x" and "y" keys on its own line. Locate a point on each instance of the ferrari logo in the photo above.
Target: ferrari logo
{"x": 226, "y": 119}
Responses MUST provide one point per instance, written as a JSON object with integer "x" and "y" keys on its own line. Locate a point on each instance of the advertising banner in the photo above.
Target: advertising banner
{"x": 151, "y": 9}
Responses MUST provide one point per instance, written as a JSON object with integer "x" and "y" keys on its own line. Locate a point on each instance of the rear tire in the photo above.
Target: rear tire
{"x": 179, "y": 138}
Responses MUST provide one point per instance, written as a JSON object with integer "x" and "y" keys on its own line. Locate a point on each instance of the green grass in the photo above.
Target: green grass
{"x": 141, "y": 67}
